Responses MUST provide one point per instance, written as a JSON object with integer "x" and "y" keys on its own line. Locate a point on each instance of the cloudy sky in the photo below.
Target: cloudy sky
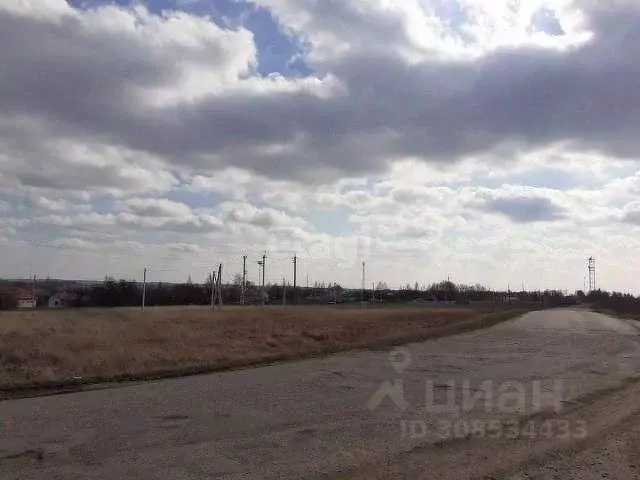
{"x": 492, "y": 142}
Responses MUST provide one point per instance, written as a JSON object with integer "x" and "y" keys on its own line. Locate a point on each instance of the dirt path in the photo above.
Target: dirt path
{"x": 321, "y": 418}
{"x": 600, "y": 441}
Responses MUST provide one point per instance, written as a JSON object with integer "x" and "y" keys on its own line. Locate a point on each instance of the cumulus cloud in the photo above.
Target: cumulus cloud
{"x": 183, "y": 247}
{"x": 418, "y": 231}
{"x": 524, "y": 208}
{"x": 631, "y": 213}
{"x": 385, "y": 93}
{"x": 104, "y": 222}
{"x": 195, "y": 223}
{"x": 42, "y": 203}
{"x": 527, "y": 209}
{"x": 416, "y": 117}
{"x": 268, "y": 218}
{"x": 82, "y": 220}
{"x": 37, "y": 160}
{"x": 154, "y": 207}
{"x": 232, "y": 182}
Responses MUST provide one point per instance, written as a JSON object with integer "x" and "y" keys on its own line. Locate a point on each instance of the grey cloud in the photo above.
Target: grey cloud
{"x": 155, "y": 207}
{"x": 79, "y": 244}
{"x": 418, "y": 231}
{"x": 139, "y": 214}
{"x": 436, "y": 110}
{"x": 83, "y": 220}
{"x": 631, "y": 213}
{"x": 268, "y": 218}
{"x": 526, "y": 209}
{"x": 51, "y": 205}
{"x": 89, "y": 177}
{"x": 42, "y": 162}
{"x": 196, "y": 223}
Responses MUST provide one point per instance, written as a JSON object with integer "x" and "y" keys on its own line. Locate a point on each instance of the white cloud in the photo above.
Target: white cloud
{"x": 183, "y": 247}
{"x": 232, "y": 182}
{"x": 38, "y": 202}
{"x": 89, "y": 220}
{"x": 430, "y": 141}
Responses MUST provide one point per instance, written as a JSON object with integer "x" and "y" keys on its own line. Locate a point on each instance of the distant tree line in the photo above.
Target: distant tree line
{"x": 622, "y": 303}
{"x": 126, "y": 293}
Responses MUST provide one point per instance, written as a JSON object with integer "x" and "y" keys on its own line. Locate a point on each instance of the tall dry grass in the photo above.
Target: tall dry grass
{"x": 47, "y": 348}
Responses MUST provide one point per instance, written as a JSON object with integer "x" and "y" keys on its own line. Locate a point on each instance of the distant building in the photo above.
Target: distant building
{"x": 26, "y": 302}
{"x": 16, "y": 297}
{"x": 62, "y": 300}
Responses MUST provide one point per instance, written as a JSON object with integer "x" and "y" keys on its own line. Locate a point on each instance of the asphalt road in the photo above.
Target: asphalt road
{"x": 320, "y": 419}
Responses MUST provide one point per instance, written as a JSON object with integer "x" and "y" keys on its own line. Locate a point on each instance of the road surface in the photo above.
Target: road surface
{"x": 553, "y": 391}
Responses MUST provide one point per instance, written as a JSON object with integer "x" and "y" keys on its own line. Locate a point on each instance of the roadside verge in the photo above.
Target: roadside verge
{"x": 45, "y": 356}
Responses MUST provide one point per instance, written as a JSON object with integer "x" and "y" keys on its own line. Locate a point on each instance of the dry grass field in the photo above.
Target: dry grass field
{"x": 50, "y": 349}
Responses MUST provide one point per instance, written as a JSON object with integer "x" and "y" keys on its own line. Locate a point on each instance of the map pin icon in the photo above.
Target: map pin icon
{"x": 400, "y": 359}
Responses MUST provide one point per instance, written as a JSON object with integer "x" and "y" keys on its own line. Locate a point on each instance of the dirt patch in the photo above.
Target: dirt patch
{"x": 609, "y": 419}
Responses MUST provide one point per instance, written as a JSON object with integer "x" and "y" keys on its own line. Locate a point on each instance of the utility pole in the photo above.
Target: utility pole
{"x": 263, "y": 263}
{"x": 295, "y": 278}
{"x": 592, "y": 273}
{"x": 243, "y": 287}
{"x": 144, "y": 288}
{"x": 219, "y": 289}
{"x": 284, "y": 292}
{"x": 213, "y": 288}
{"x": 363, "y": 277}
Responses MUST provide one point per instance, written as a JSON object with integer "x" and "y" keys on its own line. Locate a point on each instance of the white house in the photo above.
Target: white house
{"x": 61, "y": 300}
{"x": 26, "y": 302}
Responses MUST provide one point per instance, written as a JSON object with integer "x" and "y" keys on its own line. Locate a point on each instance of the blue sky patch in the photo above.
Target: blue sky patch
{"x": 545, "y": 20}
{"x": 277, "y": 52}
{"x": 334, "y": 222}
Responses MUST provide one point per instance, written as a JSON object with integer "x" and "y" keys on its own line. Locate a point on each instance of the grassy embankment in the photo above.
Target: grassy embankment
{"x": 624, "y": 307}
{"x": 56, "y": 349}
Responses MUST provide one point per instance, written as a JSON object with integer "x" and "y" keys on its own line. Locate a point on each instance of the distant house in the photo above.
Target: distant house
{"x": 16, "y": 297}
{"x": 62, "y": 300}
{"x": 26, "y": 302}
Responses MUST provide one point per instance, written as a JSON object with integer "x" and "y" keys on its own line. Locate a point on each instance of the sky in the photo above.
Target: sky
{"x": 492, "y": 143}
